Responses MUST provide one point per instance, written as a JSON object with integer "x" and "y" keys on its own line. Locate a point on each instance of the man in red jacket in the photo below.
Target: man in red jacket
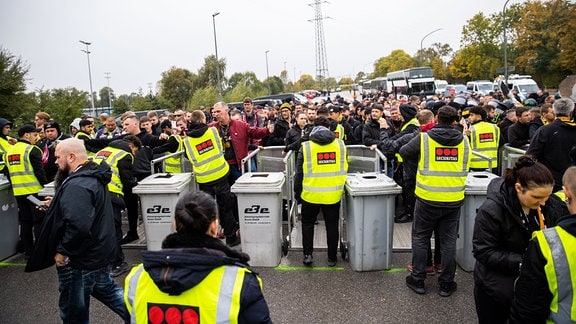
{"x": 235, "y": 136}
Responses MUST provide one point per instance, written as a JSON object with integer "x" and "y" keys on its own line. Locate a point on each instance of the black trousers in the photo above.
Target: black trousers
{"x": 331, "y": 214}
{"x": 118, "y": 205}
{"x": 221, "y": 190}
{"x": 488, "y": 310}
{"x": 30, "y": 220}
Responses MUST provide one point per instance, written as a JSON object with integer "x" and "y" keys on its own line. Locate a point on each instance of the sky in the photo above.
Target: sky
{"x": 136, "y": 40}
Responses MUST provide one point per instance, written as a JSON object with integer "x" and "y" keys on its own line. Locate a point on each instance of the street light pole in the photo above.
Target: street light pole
{"x": 267, "y": 73}
{"x": 505, "y": 42}
{"x": 217, "y": 63}
{"x": 109, "y": 92}
{"x": 89, "y": 72}
{"x": 422, "y": 41}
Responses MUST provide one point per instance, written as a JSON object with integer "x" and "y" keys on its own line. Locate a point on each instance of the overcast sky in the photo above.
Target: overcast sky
{"x": 137, "y": 40}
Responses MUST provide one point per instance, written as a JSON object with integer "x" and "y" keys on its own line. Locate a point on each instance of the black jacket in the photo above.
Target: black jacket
{"x": 48, "y": 147}
{"x": 191, "y": 259}
{"x": 294, "y": 136}
{"x": 552, "y": 145}
{"x": 532, "y": 296}
{"x": 519, "y": 134}
{"x": 79, "y": 223}
{"x": 277, "y": 138}
{"x": 501, "y": 236}
{"x": 504, "y": 126}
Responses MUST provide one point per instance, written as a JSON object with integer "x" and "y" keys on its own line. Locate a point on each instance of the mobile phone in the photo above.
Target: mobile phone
{"x": 39, "y": 203}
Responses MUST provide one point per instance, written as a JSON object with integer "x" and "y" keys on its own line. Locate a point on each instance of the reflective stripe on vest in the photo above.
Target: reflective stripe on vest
{"x": 216, "y": 299}
{"x": 4, "y": 146}
{"x": 558, "y": 246}
{"x": 324, "y": 172}
{"x": 17, "y": 159}
{"x": 412, "y": 121}
{"x": 172, "y": 164}
{"x": 112, "y": 155}
{"x": 442, "y": 170}
{"x": 339, "y": 132}
{"x": 485, "y": 139}
{"x": 206, "y": 154}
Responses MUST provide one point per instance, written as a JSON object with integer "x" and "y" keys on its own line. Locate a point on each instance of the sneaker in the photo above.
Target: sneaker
{"x": 308, "y": 260}
{"x": 429, "y": 269}
{"x": 404, "y": 218}
{"x": 447, "y": 288}
{"x": 233, "y": 240}
{"x": 120, "y": 269}
{"x": 416, "y": 285}
{"x": 438, "y": 268}
{"x": 129, "y": 237}
{"x": 331, "y": 262}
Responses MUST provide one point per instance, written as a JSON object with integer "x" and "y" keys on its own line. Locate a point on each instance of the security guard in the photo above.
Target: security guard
{"x": 484, "y": 139}
{"x": 24, "y": 163}
{"x": 343, "y": 129}
{"x": 119, "y": 155}
{"x": 544, "y": 291}
{"x": 85, "y": 134}
{"x": 5, "y": 140}
{"x": 205, "y": 149}
{"x": 443, "y": 155}
{"x": 195, "y": 278}
{"x": 173, "y": 144}
{"x": 321, "y": 169}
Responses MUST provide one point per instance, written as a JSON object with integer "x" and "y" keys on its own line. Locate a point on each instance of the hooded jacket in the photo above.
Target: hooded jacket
{"x": 79, "y": 223}
{"x": 500, "y": 238}
{"x": 4, "y": 122}
{"x": 191, "y": 259}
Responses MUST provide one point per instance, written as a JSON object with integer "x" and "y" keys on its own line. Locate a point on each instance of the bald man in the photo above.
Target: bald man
{"x": 78, "y": 235}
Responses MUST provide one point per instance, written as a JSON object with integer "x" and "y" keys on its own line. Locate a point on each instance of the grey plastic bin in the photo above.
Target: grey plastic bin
{"x": 370, "y": 207}
{"x": 260, "y": 212}
{"x": 158, "y": 196}
{"x": 475, "y": 195}
{"x": 9, "y": 230}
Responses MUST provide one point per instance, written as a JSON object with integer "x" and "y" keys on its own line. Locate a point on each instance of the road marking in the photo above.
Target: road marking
{"x": 11, "y": 264}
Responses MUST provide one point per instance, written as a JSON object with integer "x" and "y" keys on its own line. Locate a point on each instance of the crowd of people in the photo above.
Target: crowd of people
{"x": 430, "y": 145}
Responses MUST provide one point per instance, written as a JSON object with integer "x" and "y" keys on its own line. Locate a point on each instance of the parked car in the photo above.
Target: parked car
{"x": 480, "y": 86}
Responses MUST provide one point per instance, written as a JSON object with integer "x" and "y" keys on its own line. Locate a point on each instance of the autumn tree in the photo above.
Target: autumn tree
{"x": 305, "y": 82}
{"x": 397, "y": 60}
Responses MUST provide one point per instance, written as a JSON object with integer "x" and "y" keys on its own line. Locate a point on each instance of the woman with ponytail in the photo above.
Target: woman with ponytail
{"x": 516, "y": 205}
{"x": 195, "y": 277}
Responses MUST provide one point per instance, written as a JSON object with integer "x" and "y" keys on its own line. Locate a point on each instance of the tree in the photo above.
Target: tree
{"x": 207, "y": 73}
{"x": 360, "y": 76}
{"x": 106, "y": 97}
{"x": 346, "y": 80}
{"x": 176, "y": 86}
{"x": 204, "y": 97}
{"x": 306, "y": 82}
{"x": 397, "y": 60}
{"x": 63, "y": 105}
{"x": 275, "y": 83}
{"x": 12, "y": 84}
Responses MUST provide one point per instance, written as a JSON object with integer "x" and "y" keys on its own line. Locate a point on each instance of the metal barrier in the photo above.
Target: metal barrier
{"x": 362, "y": 159}
{"x": 509, "y": 156}
{"x": 484, "y": 157}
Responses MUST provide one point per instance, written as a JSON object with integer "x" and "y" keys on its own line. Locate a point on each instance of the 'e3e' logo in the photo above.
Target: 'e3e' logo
{"x": 255, "y": 209}
{"x": 157, "y": 209}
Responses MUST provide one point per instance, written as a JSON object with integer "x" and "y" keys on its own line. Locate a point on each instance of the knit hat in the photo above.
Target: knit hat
{"x": 76, "y": 123}
{"x": 285, "y": 106}
{"x": 52, "y": 124}
{"x": 407, "y": 111}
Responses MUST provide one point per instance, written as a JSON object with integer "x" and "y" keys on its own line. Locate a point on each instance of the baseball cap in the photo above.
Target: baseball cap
{"x": 28, "y": 129}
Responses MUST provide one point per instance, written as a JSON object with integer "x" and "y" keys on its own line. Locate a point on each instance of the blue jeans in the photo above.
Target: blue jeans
{"x": 77, "y": 285}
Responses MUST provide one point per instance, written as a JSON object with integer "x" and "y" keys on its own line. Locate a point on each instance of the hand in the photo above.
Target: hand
{"x": 383, "y": 123}
{"x": 373, "y": 147}
{"x": 61, "y": 260}
{"x": 283, "y": 154}
{"x": 163, "y": 136}
{"x": 12, "y": 141}
{"x": 47, "y": 201}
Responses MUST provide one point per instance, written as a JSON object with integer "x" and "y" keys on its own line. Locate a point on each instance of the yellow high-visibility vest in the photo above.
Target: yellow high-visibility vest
{"x": 4, "y": 146}
{"x": 412, "y": 121}
{"x": 206, "y": 154}
{"x": 557, "y": 246}
{"x": 81, "y": 135}
{"x": 172, "y": 164}
{"x": 17, "y": 159}
{"x": 112, "y": 155}
{"x": 324, "y": 172}
{"x": 485, "y": 139}
{"x": 442, "y": 170}
{"x": 216, "y": 299}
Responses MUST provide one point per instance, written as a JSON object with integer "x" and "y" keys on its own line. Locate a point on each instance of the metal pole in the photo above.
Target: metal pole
{"x": 422, "y": 41}
{"x": 89, "y": 72}
{"x": 109, "y": 92}
{"x": 217, "y": 63}
{"x": 505, "y": 42}
{"x": 267, "y": 74}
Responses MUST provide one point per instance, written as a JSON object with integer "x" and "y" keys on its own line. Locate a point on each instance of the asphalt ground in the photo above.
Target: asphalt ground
{"x": 295, "y": 294}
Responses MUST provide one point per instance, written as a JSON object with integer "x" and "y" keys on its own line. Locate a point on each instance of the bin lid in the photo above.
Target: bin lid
{"x": 48, "y": 190}
{"x": 371, "y": 184}
{"x": 4, "y": 184}
{"x": 163, "y": 183}
{"x": 258, "y": 181}
{"x": 477, "y": 182}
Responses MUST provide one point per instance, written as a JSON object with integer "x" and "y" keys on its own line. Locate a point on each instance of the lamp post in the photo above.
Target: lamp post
{"x": 89, "y": 71}
{"x": 422, "y": 41}
{"x": 505, "y": 42}
{"x": 109, "y": 92}
{"x": 217, "y": 63}
{"x": 267, "y": 74}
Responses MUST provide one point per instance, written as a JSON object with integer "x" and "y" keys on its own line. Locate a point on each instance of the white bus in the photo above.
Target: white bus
{"x": 414, "y": 81}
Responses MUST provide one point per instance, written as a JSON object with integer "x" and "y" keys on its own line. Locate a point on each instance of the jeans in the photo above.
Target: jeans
{"x": 77, "y": 285}
{"x": 429, "y": 218}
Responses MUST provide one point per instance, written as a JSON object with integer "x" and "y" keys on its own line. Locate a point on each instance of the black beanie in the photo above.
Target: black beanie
{"x": 407, "y": 111}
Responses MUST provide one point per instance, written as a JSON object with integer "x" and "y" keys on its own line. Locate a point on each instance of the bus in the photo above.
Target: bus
{"x": 414, "y": 81}
{"x": 379, "y": 84}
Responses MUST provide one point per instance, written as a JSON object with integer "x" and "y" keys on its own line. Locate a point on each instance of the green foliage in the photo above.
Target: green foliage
{"x": 207, "y": 97}
{"x": 207, "y": 73}
{"x": 176, "y": 86}
{"x": 12, "y": 84}
{"x": 63, "y": 105}
{"x": 346, "y": 80}
{"x": 275, "y": 83}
